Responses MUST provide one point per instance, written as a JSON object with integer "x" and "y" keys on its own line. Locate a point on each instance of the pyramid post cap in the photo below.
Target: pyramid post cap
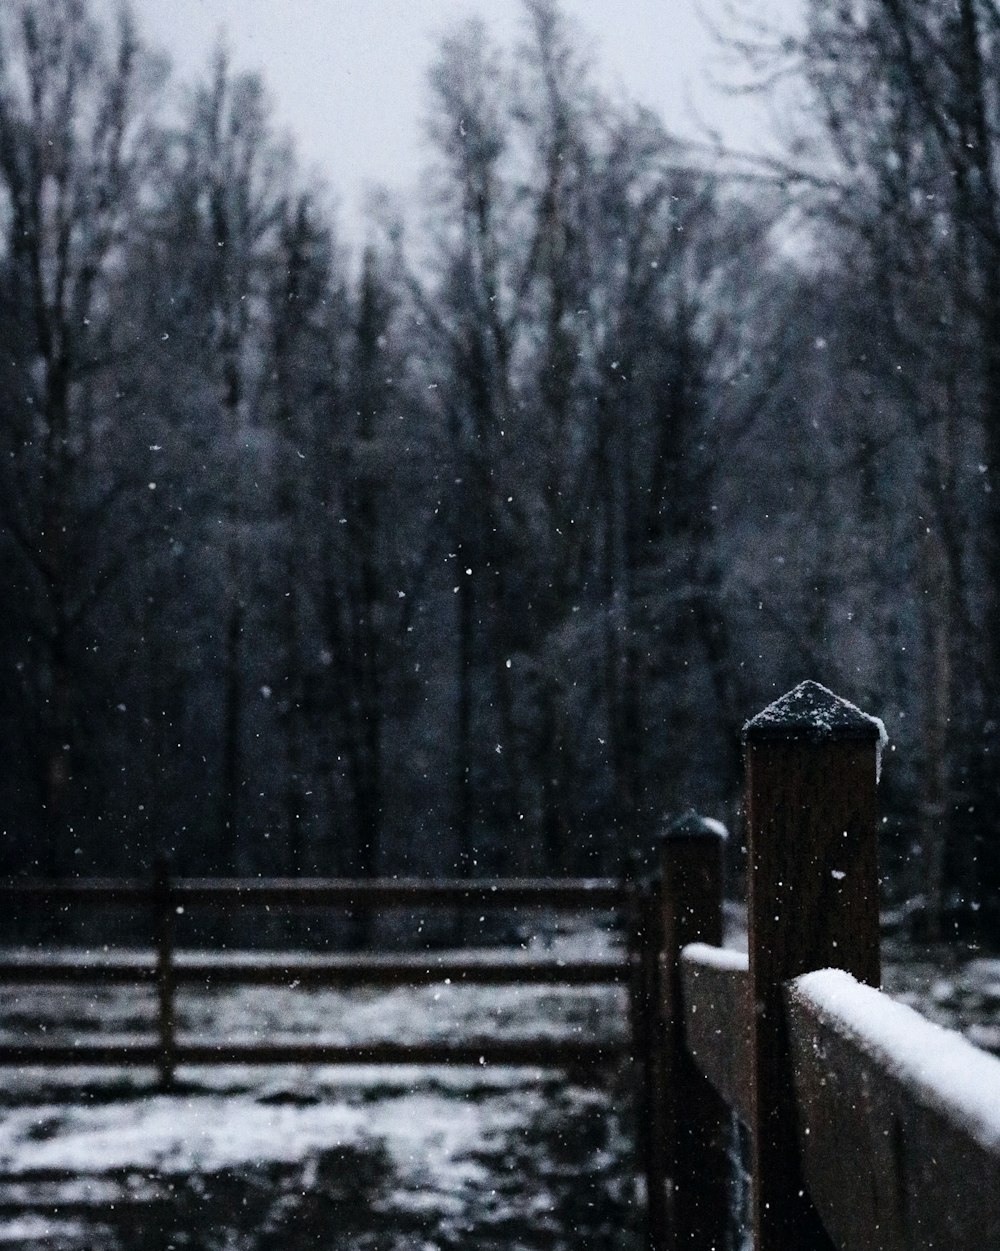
{"x": 811, "y": 713}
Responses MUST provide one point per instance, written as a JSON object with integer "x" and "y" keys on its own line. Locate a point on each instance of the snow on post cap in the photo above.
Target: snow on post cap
{"x": 693, "y": 825}
{"x": 812, "y": 713}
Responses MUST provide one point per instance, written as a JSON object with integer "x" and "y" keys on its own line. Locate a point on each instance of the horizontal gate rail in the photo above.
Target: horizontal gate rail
{"x": 335, "y": 972}
{"x": 146, "y": 1050}
{"x": 167, "y": 968}
{"x": 552, "y": 893}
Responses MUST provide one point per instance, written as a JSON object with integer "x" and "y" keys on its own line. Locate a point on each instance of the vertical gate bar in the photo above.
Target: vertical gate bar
{"x": 165, "y": 983}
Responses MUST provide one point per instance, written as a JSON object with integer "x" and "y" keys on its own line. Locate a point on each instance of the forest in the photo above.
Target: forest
{"x": 468, "y": 552}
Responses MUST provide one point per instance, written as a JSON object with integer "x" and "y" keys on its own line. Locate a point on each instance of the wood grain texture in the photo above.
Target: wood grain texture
{"x": 717, "y": 1027}
{"x": 693, "y": 1120}
{"x": 813, "y": 875}
{"x": 888, "y": 1168}
{"x": 813, "y": 903}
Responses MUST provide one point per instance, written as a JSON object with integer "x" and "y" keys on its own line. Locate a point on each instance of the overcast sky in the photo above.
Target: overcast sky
{"x": 347, "y": 77}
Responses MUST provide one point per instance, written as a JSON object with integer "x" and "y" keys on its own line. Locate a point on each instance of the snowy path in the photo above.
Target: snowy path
{"x": 333, "y": 1158}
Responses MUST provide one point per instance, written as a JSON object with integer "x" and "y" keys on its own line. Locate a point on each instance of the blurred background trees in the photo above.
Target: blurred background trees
{"x": 470, "y": 553}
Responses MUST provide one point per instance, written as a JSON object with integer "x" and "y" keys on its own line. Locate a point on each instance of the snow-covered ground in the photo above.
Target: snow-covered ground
{"x": 321, "y": 1156}
{"x": 357, "y": 1158}
{"x": 952, "y": 986}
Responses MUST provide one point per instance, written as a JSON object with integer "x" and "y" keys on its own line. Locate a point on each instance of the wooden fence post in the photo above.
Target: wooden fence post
{"x": 694, "y": 1125}
{"x": 165, "y": 984}
{"x": 811, "y": 813}
{"x": 648, "y": 1041}
{"x": 640, "y": 970}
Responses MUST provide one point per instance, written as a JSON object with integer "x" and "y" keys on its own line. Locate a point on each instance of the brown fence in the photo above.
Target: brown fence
{"x": 168, "y": 967}
{"x": 871, "y": 1129}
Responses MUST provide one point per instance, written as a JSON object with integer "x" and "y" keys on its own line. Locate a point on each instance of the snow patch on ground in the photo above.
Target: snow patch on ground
{"x": 352, "y": 1158}
{"x": 167, "y": 1134}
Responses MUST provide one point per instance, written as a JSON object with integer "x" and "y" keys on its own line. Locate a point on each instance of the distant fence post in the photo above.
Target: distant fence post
{"x": 640, "y": 953}
{"x": 165, "y": 984}
{"x": 648, "y": 1035}
{"x": 811, "y": 813}
{"x": 690, "y": 1210}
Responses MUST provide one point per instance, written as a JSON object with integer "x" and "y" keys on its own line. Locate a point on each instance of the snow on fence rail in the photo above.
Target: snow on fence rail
{"x": 872, "y": 1129}
{"x": 168, "y": 968}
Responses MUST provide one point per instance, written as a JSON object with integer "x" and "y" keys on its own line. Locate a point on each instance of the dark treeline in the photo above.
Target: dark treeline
{"x": 471, "y": 553}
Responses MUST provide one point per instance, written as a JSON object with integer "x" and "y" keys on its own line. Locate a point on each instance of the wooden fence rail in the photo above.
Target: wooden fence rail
{"x": 339, "y": 972}
{"x": 872, "y": 1129}
{"x": 350, "y": 893}
{"x": 168, "y": 968}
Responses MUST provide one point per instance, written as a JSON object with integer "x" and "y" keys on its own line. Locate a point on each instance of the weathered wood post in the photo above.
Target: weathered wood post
{"x": 165, "y": 984}
{"x": 811, "y": 777}
{"x": 649, "y": 1038}
{"x": 640, "y": 951}
{"x": 691, "y": 1208}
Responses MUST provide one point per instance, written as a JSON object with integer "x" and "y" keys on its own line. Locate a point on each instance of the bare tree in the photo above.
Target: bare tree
{"x": 75, "y": 146}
